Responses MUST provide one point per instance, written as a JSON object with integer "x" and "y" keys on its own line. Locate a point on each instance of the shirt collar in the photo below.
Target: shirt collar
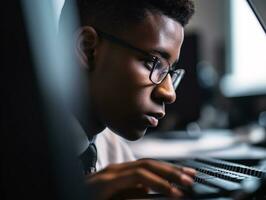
{"x": 82, "y": 140}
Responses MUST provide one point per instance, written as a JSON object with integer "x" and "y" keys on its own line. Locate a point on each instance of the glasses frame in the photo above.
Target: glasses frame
{"x": 179, "y": 72}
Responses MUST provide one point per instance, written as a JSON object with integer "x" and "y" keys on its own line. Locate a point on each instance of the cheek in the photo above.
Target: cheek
{"x": 124, "y": 88}
{"x": 135, "y": 83}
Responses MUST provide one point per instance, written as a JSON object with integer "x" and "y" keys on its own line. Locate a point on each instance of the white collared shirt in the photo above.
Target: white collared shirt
{"x": 111, "y": 148}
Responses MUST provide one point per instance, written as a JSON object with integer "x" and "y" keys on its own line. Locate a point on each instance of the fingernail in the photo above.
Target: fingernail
{"x": 176, "y": 192}
{"x": 186, "y": 180}
{"x": 190, "y": 171}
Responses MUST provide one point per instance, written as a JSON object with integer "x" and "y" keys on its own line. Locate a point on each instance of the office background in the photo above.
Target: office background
{"x": 209, "y": 55}
{"x": 225, "y": 84}
{"x": 200, "y": 104}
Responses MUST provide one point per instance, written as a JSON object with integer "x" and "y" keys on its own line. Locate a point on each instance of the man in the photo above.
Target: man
{"x": 129, "y": 50}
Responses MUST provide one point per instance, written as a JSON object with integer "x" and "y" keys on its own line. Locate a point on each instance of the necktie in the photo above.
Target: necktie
{"x": 89, "y": 158}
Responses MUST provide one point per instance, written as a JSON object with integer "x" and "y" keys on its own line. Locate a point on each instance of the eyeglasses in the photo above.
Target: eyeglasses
{"x": 159, "y": 68}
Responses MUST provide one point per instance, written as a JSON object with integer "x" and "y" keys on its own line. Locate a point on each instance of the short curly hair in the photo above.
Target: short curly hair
{"x": 120, "y": 13}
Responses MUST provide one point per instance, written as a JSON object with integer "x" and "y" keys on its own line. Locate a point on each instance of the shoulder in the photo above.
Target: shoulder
{"x": 112, "y": 148}
{"x": 110, "y": 138}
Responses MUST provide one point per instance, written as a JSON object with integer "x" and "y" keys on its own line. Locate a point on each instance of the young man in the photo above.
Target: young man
{"x": 129, "y": 50}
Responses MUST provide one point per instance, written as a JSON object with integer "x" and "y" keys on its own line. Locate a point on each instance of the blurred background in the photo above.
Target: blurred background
{"x": 224, "y": 58}
{"x": 225, "y": 82}
{"x": 223, "y": 95}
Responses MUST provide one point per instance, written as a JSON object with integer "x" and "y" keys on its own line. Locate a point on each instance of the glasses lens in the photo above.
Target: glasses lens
{"x": 177, "y": 76}
{"x": 160, "y": 71}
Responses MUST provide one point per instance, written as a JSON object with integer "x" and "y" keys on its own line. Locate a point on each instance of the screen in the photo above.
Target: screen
{"x": 37, "y": 148}
{"x": 246, "y": 60}
{"x": 259, "y": 7}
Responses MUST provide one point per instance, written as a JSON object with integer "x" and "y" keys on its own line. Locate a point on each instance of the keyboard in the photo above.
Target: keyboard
{"x": 219, "y": 178}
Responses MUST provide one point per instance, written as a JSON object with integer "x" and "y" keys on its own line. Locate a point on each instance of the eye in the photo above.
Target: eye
{"x": 149, "y": 64}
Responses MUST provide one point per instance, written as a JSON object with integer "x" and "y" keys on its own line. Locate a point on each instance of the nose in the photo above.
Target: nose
{"x": 165, "y": 92}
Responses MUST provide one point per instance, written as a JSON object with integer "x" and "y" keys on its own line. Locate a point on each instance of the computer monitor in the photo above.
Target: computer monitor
{"x": 244, "y": 82}
{"x": 246, "y": 47}
{"x": 38, "y": 160}
{"x": 259, "y": 7}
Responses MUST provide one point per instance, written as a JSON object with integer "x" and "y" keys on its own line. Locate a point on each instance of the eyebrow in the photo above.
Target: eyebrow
{"x": 162, "y": 53}
{"x": 165, "y": 55}
{"x": 159, "y": 51}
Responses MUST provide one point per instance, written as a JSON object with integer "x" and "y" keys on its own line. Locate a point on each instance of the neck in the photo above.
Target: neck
{"x": 90, "y": 123}
{"x": 88, "y": 119}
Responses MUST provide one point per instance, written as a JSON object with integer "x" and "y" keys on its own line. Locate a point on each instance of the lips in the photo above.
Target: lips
{"x": 153, "y": 118}
{"x": 152, "y": 121}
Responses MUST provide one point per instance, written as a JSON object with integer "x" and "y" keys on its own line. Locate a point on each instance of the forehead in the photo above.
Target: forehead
{"x": 157, "y": 33}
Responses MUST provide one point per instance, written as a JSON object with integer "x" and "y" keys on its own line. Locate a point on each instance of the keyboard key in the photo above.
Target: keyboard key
{"x": 224, "y": 185}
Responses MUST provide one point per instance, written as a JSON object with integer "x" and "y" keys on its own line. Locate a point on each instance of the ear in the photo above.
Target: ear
{"x": 86, "y": 42}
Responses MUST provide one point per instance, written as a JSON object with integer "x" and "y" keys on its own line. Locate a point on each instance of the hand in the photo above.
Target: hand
{"x": 140, "y": 175}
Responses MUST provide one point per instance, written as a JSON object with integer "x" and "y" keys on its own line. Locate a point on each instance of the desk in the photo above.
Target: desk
{"x": 223, "y": 144}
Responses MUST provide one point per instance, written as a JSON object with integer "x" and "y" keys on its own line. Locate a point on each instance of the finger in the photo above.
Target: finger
{"x": 131, "y": 178}
{"x": 133, "y": 164}
{"x": 190, "y": 171}
{"x": 167, "y": 171}
{"x": 129, "y": 165}
{"x": 172, "y": 173}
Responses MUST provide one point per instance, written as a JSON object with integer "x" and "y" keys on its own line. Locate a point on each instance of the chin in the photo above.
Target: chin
{"x": 131, "y": 135}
